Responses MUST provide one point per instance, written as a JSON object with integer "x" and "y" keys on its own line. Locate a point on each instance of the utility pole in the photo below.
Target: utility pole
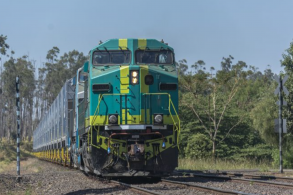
{"x": 1, "y": 102}
{"x": 280, "y": 124}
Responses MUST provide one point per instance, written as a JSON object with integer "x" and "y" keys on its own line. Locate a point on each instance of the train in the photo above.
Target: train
{"x": 118, "y": 116}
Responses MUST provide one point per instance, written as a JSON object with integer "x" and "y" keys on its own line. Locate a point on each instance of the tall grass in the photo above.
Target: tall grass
{"x": 8, "y": 152}
{"x": 224, "y": 164}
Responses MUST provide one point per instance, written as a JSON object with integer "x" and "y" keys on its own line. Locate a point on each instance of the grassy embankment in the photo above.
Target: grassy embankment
{"x": 222, "y": 164}
{"x": 8, "y": 153}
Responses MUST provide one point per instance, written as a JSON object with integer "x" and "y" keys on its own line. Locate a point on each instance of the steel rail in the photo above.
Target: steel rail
{"x": 263, "y": 176}
{"x": 135, "y": 187}
{"x": 277, "y": 184}
{"x": 217, "y": 190}
{"x": 251, "y": 176}
{"x": 217, "y": 171}
{"x": 94, "y": 177}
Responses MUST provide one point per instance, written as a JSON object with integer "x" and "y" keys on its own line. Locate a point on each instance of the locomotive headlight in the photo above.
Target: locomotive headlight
{"x": 134, "y": 77}
{"x": 134, "y": 73}
{"x": 158, "y": 119}
{"x": 134, "y": 80}
{"x": 113, "y": 119}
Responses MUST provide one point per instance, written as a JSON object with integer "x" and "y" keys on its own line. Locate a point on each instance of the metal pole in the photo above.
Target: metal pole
{"x": 280, "y": 125}
{"x": 18, "y": 126}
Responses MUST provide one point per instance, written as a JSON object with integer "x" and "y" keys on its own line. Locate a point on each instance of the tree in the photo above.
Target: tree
{"x": 263, "y": 115}
{"x": 3, "y": 49}
{"x": 287, "y": 63}
{"x": 3, "y": 45}
{"x": 182, "y": 66}
{"x": 212, "y": 99}
{"x": 25, "y": 70}
{"x": 73, "y": 61}
{"x": 57, "y": 69}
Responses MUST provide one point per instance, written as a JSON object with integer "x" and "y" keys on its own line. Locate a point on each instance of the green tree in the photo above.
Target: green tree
{"x": 287, "y": 63}
{"x": 263, "y": 115}
{"x": 3, "y": 51}
{"x": 3, "y": 45}
{"x": 23, "y": 68}
{"x": 56, "y": 69}
{"x": 212, "y": 100}
{"x": 73, "y": 61}
{"x": 182, "y": 66}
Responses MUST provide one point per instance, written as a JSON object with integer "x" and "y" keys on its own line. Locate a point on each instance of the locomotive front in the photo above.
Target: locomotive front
{"x": 127, "y": 121}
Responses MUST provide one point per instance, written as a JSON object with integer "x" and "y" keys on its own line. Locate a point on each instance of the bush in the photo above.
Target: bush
{"x": 287, "y": 158}
{"x": 258, "y": 153}
{"x": 198, "y": 146}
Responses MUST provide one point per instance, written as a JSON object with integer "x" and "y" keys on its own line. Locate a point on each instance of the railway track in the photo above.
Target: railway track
{"x": 136, "y": 187}
{"x": 195, "y": 184}
{"x": 203, "y": 189}
{"x": 236, "y": 176}
{"x": 209, "y": 189}
{"x": 257, "y": 179}
{"x": 155, "y": 188}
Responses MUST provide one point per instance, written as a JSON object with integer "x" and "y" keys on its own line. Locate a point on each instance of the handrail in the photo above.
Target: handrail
{"x": 96, "y": 115}
{"x": 169, "y": 108}
{"x": 100, "y": 99}
{"x": 176, "y": 124}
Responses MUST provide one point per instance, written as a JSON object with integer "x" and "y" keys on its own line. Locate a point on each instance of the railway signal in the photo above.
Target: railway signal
{"x": 280, "y": 124}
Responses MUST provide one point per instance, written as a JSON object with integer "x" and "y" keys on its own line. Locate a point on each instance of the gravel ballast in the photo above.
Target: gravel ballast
{"x": 252, "y": 188}
{"x": 46, "y": 178}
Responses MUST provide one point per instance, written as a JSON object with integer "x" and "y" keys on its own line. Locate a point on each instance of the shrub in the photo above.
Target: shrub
{"x": 198, "y": 146}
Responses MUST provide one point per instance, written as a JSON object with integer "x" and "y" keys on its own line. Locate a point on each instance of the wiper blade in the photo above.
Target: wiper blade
{"x": 123, "y": 51}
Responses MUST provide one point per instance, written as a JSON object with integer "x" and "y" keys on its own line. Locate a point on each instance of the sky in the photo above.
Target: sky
{"x": 256, "y": 32}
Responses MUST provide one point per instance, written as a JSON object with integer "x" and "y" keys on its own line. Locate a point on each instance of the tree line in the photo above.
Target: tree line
{"x": 38, "y": 86}
{"x": 226, "y": 113}
{"x": 229, "y": 113}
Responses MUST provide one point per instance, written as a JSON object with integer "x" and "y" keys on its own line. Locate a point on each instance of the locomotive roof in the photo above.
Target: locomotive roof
{"x": 132, "y": 44}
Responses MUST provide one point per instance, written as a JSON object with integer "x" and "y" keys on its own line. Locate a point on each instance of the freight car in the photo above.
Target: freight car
{"x": 118, "y": 115}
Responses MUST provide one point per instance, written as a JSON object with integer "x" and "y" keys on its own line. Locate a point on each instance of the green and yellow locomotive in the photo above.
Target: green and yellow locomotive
{"x": 125, "y": 105}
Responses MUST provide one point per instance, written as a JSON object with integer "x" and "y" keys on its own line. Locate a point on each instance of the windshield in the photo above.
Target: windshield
{"x": 154, "y": 57}
{"x": 111, "y": 57}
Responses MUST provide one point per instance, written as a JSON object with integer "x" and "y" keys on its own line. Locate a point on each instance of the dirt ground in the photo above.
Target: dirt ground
{"x": 45, "y": 178}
